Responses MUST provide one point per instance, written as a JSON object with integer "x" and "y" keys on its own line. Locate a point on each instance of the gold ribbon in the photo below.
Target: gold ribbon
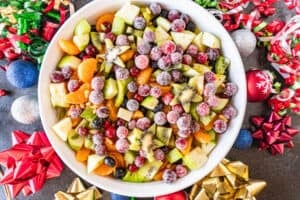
{"x": 228, "y": 181}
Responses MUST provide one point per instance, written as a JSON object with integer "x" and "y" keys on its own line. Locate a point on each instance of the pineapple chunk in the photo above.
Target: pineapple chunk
{"x": 63, "y": 127}
{"x": 128, "y": 12}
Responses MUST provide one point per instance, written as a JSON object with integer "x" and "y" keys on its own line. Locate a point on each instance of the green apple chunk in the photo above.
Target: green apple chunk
{"x": 81, "y": 41}
{"x": 222, "y": 102}
{"x": 75, "y": 141}
{"x": 69, "y": 61}
{"x": 150, "y": 102}
{"x": 128, "y": 13}
{"x": 93, "y": 162}
{"x": 118, "y": 25}
{"x": 110, "y": 88}
{"x": 184, "y": 39}
{"x": 195, "y": 158}
{"x": 63, "y": 128}
{"x": 82, "y": 27}
{"x": 210, "y": 40}
{"x": 135, "y": 139}
{"x": 129, "y": 157}
{"x": 174, "y": 155}
{"x": 198, "y": 42}
{"x": 149, "y": 170}
{"x": 164, "y": 134}
{"x": 58, "y": 93}
{"x": 206, "y": 120}
{"x": 133, "y": 177}
{"x": 95, "y": 39}
{"x": 122, "y": 89}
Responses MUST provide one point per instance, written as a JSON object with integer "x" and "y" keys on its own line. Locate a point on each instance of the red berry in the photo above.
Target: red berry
{"x": 110, "y": 132}
{"x": 138, "y": 97}
{"x": 164, "y": 62}
{"x": 178, "y": 108}
{"x": 230, "y": 89}
{"x": 220, "y": 126}
{"x": 110, "y": 36}
{"x": 160, "y": 118}
{"x": 132, "y": 168}
{"x": 203, "y": 109}
{"x": 181, "y": 171}
{"x": 173, "y": 14}
{"x": 167, "y": 98}
{"x": 134, "y": 71}
{"x": 192, "y": 50}
{"x": 155, "y": 92}
{"x": 139, "y": 161}
{"x": 187, "y": 59}
{"x": 106, "y": 124}
{"x": 229, "y": 112}
{"x": 159, "y": 154}
{"x": 155, "y": 53}
{"x": 209, "y": 76}
{"x": 144, "y": 90}
{"x": 202, "y": 58}
{"x": 73, "y": 85}
{"x": 143, "y": 123}
{"x": 122, "y": 132}
{"x": 106, "y": 27}
{"x": 168, "y": 47}
{"x": 169, "y": 176}
{"x": 181, "y": 143}
{"x": 176, "y": 58}
{"x": 83, "y": 131}
{"x": 178, "y": 25}
{"x": 141, "y": 61}
{"x": 172, "y": 117}
{"x": 122, "y": 145}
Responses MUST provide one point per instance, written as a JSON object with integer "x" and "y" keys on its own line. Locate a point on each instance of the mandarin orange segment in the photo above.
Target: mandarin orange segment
{"x": 80, "y": 96}
{"x": 109, "y": 144}
{"x": 104, "y": 170}
{"x": 202, "y": 136}
{"x": 68, "y": 47}
{"x": 128, "y": 55}
{"x": 113, "y": 110}
{"x": 118, "y": 157}
{"x": 137, "y": 114}
{"x": 188, "y": 147}
{"x": 83, "y": 154}
{"x": 106, "y": 18}
{"x": 86, "y": 69}
{"x": 144, "y": 76}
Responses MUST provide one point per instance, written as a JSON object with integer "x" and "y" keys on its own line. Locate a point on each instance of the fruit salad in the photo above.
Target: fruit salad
{"x": 142, "y": 94}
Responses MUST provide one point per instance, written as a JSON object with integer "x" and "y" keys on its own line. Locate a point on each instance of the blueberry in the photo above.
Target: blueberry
{"x": 22, "y": 74}
{"x": 109, "y": 161}
{"x": 158, "y": 107}
{"x": 97, "y": 123}
{"x": 164, "y": 13}
{"x": 190, "y": 26}
{"x": 244, "y": 139}
{"x": 119, "y": 172}
{"x": 114, "y": 196}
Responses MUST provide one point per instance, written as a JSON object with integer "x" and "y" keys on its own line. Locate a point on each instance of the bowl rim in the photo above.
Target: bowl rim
{"x": 148, "y": 189}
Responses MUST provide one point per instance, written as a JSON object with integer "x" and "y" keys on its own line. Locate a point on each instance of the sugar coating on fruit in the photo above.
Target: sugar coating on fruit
{"x": 25, "y": 109}
{"x": 229, "y": 112}
{"x": 132, "y": 105}
{"x": 122, "y": 73}
{"x": 122, "y": 132}
{"x": 184, "y": 122}
{"x": 172, "y": 117}
{"x": 164, "y": 78}
{"x": 160, "y": 118}
{"x": 102, "y": 112}
{"x": 220, "y": 126}
{"x": 141, "y": 61}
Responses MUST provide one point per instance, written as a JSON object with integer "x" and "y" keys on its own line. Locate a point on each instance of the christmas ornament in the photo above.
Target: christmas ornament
{"x": 244, "y": 140}
{"x": 274, "y": 132}
{"x": 29, "y": 163}
{"x": 229, "y": 180}
{"x": 115, "y": 196}
{"x": 22, "y": 74}
{"x": 181, "y": 195}
{"x": 259, "y": 84}
{"x": 3, "y": 92}
{"x": 25, "y": 109}
{"x": 245, "y": 41}
{"x": 79, "y": 192}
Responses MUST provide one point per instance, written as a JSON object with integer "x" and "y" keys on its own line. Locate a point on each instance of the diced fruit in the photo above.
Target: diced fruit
{"x": 106, "y": 18}
{"x": 86, "y": 69}
{"x": 118, "y": 26}
{"x": 152, "y": 129}
{"x": 207, "y": 120}
{"x": 83, "y": 154}
{"x": 195, "y": 159}
{"x": 222, "y": 102}
{"x": 210, "y": 40}
{"x": 202, "y": 136}
{"x": 68, "y": 47}
{"x": 193, "y": 111}
{"x": 197, "y": 82}
{"x": 122, "y": 89}
{"x": 129, "y": 157}
{"x": 198, "y": 42}
{"x": 69, "y": 61}
{"x": 164, "y": 23}
{"x": 75, "y": 141}
{"x": 164, "y": 134}
{"x": 82, "y": 27}
{"x": 128, "y": 13}
{"x": 104, "y": 170}
{"x": 189, "y": 71}
{"x": 125, "y": 114}
{"x": 174, "y": 155}
{"x": 110, "y": 88}
{"x": 112, "y": 109}
{"x": 188, "y": 147}
{"x": 79, "y": 96}
{"x": 58, "y": 93}
{"x": 93, "y": 162}
{"x": 88, "y": 114}
{"x": 133, "y": 177}
{"x": 95, "y": 39}
{"x": 144, "y": 76}
{"x": 149, "y": 170}
{"x": 161, "y": 36}
{"x": 63, "y": 127}
{"x": 221, "y": 65}
{"x": 134, "y": 139}
{"x": 150, "y": 102}
{"x": 207, "y": 147}
{"x": 81, "y": 41}
{"x": 128, "y": 55}
{"x": 184, "y": 39}
{"x": 147, "y": 142}
{"x": 88, "y": 143}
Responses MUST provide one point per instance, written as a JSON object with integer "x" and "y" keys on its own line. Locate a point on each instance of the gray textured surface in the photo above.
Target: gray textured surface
{"x": 281, "y": 172}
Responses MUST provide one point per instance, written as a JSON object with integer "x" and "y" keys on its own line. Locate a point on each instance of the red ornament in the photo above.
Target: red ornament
{"x": 181, "y": 195}
{"x": 259, "y": 85}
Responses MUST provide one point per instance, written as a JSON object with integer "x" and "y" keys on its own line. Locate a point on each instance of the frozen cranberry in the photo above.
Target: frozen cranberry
{"x": 110, "y": 132}
{"x": 143, "y": 123}
{"x": 155, "y": 92}
{"x": 173, "y": 14}
{"x": 91, "y": 51}
{"x": 179, "y": 49}
{"x": 139, "y": 161}
{"x": 75, "y": 111}
{"x": 168, "y": 47}
{"x": 167, "y": 98}
{"x": 122, "y": 40}
{"x": 178, "y": 25}
{"x": 229, "y": 112}
{"x": 209, "y": 76}
{"x": 73, "y": 85}
{"x": 195, "y": 126}
{"x": 209, "y": 89}
{"x": 144, "y": 90}
{"x": 57, "y": 77}
{"x": 160, "y": 118}
{"x": 106, "y": 124}
{"x": 121, "y": 73}
{"x": 201, "y": 58}
{"x": 155, "y": 53}
{"x": 134, "y": 71}
{"x": 110, "y": 36}
{"x": 67, "y": 72}
{"x": 155, "y": 8}
{"x": 172, "y": 117}
{"x": 98, "y": 139}
{"x": 122, "y": 132}
{"x": 100, "y": 150}
{"x": 164, "y": 62}
{"x": 230, "y": 89}
{"x": 184, "y": 133}
{"x": 159, "y": 154}
{"x": 181, "y": 170}
{"x": 184, "y": 122}
{"x": 187, "y": 59}
{"x": 120, "y": 122}
{"x": 102, "y": 112}
{"x": 212, "y": 100}
{"x": 176, "y": 58}
{"x": 192, "y": 50}
{"x": 139, "y": 23}
{"x": 181, "y": 143}
{"x": 132, "y": 87}
{"x": 149, "y": 36}
{"x": 163, "y": 78}
{"x": 169, "y": 176}
{"x": 143, "y": 48}
{"x": 98, "y": 82}
{"x": 83, "y": 131}
{"x": 131, "y": 124}
{"x": 185, "y": 18}
{"x": 203, "y": 109}
{"x": 132, "y": 168}
{"x": 96, "y": 97}
{"x": 122, "y": 145}
{"x": 138, "y": 97}
{"x": 141, "y": 61}
{"x": 142, "y": 153}
{"x": 176, "y": 75}
{"x": 212, "y": 54}
{"x": 220, "y": 126}
{"x": 132, "y": 105}
{"x": 178, "y": 108}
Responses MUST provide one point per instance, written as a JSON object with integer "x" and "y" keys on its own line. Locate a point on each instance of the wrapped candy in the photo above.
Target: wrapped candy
{"x": 228, "y": 181}
{"x": 78, "y": 191}
{"x": 29, "y": 163}
{"x": 274, "y": 133}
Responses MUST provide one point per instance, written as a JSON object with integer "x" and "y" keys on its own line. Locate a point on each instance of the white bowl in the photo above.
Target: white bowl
{"x": 206, "y": 22}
